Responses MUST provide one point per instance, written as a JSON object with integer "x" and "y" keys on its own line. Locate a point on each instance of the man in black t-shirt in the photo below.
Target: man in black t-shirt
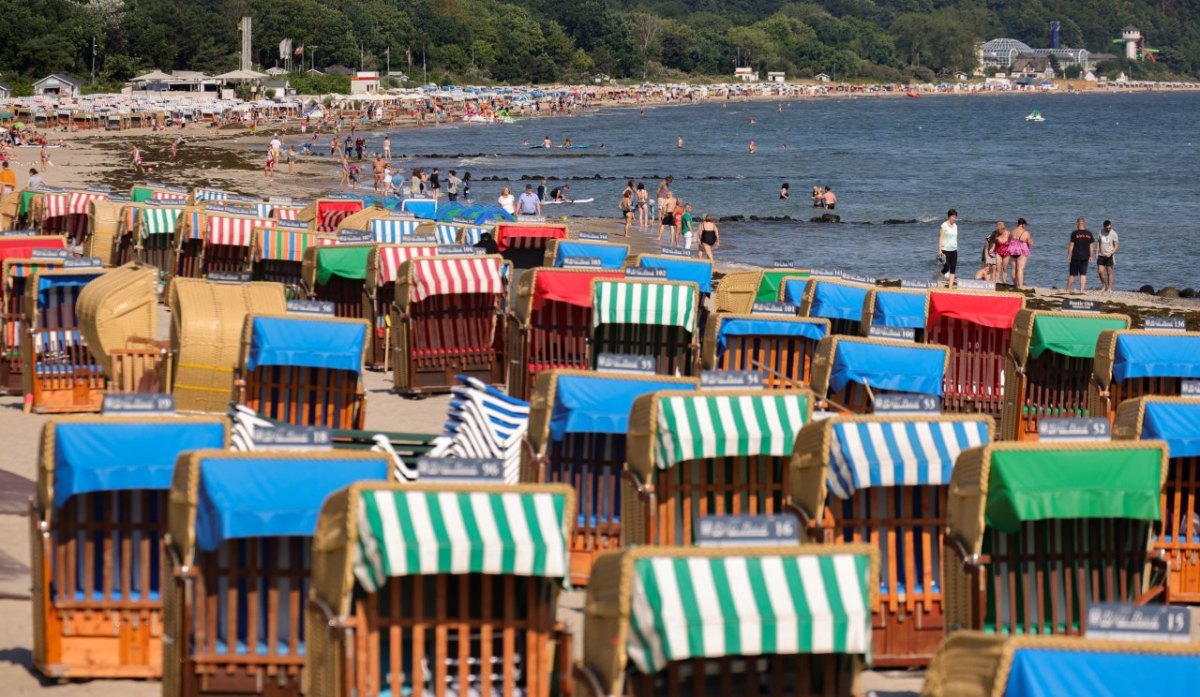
{"x": 1080, "y": 251}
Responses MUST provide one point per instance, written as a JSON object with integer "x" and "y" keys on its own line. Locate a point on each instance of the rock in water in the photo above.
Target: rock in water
{"x": 1147, "y": 289}
{"x": 1187, "y": 293}
{"x": 826, "y": 218}
{"x": 1169, "y": 292}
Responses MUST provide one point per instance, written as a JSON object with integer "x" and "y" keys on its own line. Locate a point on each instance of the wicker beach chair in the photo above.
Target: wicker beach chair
{"x": 104, "y": 218}
{"x": 883, "y": 481}
{"x": 1049, "y": 367}
{"x": 647, "y": 318}
{"x": 849, "y": 371}
{"x": 737, "y": 291}
{"x": 152, "y": 239}
{"x": 302, "y": 370}
{"x": 1039, "y": 532}
{"x": 791, "y": 621}
{"x": 550, "y": 326}
{"x": 118, "y": 315}
{"x": 585, "y": 253}
{"x": 447, "y": 322}
{"x": 278, "y": 255}
{"x": 524, "y": 244}
{"x": 338, "y": 274}
{"x": 355, "y": 220}
{"x": 393, "y": 228}
{"x": 383, "y": 263}
{"x": 898, "y": 308}
{"x": 1172, "y": 420}
{"x": 59, "y": 373}
{"x": 326, "y": 214}
{"x": 691, "y": 454}
{"x": 841, "y": 302}
{"x": 63, "y": 212}
{"x": 391, "y": 615}
{"x": 576, "y": 436}
{"x": 461, "y": 232}
{"x": 975, "y": 664}
{"x": 97, "y": 523}
{"x": 17, "y": 270}
{"x": 215, "y": 238}
{"x": 140, "y": 193}
{"x": 239, "y": 547}
{"x": 698, "y": 271}
{"x": 1131, "y": 364}
{"x": 781, "y": 347}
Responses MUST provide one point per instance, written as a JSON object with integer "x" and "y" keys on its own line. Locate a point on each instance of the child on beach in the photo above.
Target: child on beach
{"x": 686, "y": 224}
{"x": 988, "y": 257}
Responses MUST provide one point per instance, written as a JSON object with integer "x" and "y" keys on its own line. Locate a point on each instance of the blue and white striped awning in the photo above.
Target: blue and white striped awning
{"x": 393, "y": 230}
{"x": 897, "y": 453}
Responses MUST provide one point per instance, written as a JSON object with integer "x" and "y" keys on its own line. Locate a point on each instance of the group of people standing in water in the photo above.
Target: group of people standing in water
{"x": 675, "y": 219}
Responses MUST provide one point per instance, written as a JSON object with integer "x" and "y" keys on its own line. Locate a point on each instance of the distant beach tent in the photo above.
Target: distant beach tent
{"x": 475, "y": 215}
{"x": 241, "y": 76}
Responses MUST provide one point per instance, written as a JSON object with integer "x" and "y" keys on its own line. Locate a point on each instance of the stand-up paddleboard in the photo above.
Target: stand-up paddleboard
{"x": 573, "y": 200}
{"x": 560, "y": 147}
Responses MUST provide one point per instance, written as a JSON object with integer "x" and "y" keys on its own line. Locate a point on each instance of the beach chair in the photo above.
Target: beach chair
{"x": 1036, "y": 533}
{"x": 841, "y": 302}
{"x": 576, "y": 437}
{"x": 737, "y": 291}
{"x": 17, "y": 270}
{"x": 240, "y": 532}
{"x": 461, "y": 232}
{"x": 118, "y": 319}
{"x": 201, "y": 195}
{"x": 692, "y": 454}
{"x": 228, "y": 241}
{"x": 305, "y": 371}
{"x": 524, "y": 244}
{"x": 898, "y": 308}
{"x": 338, "y": 274}
{"x": 278, "y": 255}
{"x": 1131, "y": 364}
{"x": 698, "y": 271}
{"x": 383, "y": 263}
{"x": 849, "y": 372}
{"x": 1172, "y": 420}
{"x": 883, "y": 481}
{"x": 393, "y": 228}
{"x": 59, "y": 373}
{"x": 97, "y": 521}
{"x": 104, "y": 217}
{"x": 327, "y": 214}
{"x": 52, "y": 214}
{"x": 154, "y": 235}
{"x": 550, "y": 327}
{"x": 782, "y": 348}
{"x": 483, "y": 422}
{"x": 140, "y": 193}
{"x": 447, "y": 321}
{"x": 977, "y": 327}
{"x": 391, "y": 615}
{"x": 783, "y": 621}
{"x": 647, "y": 318}
{"x": 1049, "y": 368}
{"x": 975, "y": 664}
{"x": 585, "y": 253}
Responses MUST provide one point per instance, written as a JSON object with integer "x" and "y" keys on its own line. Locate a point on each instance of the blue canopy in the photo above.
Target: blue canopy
{"x": 899, "y": 309}
{"x": 694, "y": 270}
{"x": 421, "y": 207}
{"x": 1156, "y": 356}
{"x": 838, "y": 301}
{"x": 115, "y": 456}
{"x": 793, "y": 291}
{"x": 1174, "y": 423}
{"x": 587, "y": 404}
{"x": 1055, "y": 672}
{"x": 886, "y": 367}
{"x": 766, "y": 327}
{"x": 309, "y": 343}
{"x": 611, "y": 256}
{"x": 74, "y": 280}
{"x": 389, "y": 202}
{"x": 268, "y": 497}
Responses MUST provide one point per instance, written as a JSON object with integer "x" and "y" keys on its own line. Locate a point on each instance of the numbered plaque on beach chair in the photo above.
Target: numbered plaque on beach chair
{"x": 383, "y": 264}
{"x": 241, "y": 529}
{"x": 17, "y": 271}
{"x": 577, "y": 431}
{"x": 97, "y": 522}
{"x": 1049, "y": 368}
{"x": 279, "y": 256}
{"x": 779, "y": 621}
{"x": 896, "y": 308}
{"x": 446, "y": 322}
{"x": 1132, "y": 364}
{"x": 1173, "y": 420}
{"x": 524, "y": 244}
{"x": 977, "y": 328}
{"x": 647, "y": 318}
{"x": 975, "y": 664}
{"x": 228, "y": 242}
{"x": 154, "y": 237}
{"x": 1039, "y": 532}
{"x": 59, "y": 372}
{"x": 338, "y": 274}
{"x": 849, "y": 372}
{"x": 782, "y": 348}
{"x": 302, "y": 370}
{"x": 840, "y": 302}
{"x": 551, "y": 325}
{"x": 585, "y": 253}
{"x": 883, "y": 481}
{"x": 692, "y": 454}
{"x": 436, "y": 590}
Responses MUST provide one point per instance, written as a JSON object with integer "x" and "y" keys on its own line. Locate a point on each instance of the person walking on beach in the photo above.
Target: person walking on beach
{"x": 435, "y": 183}
{"x": 466, "y": 187}
{"x": 643, "y": 206}
{"x": 291, "y": 159}
{"x": 387, "y": 148}
{"x": 666, "y": 210}
{"x": 1019, "y": 245}
{"x": 686, "y": 223}
{"x": 626, "y": 207}
{"x": 135, "y": 155}
{"x": 35, "y": 180}
{"x": 333, "y": 146}
{"x": 452, "y": 185}
{"x": 529, "y": 205}
{"x": 710, "y": 237}
{"x": 948, "y": 247}
{"x": 345, "y": 179}
{"x": 358, "y": 148}
{"x": 8, "y": 182}
{"x": 664, "y": 188}
{"x": 988, "y": 257}
{"x": 1003, "y": 238}
{"x": 377, "y": 168}
{"x": 1106, "y": 255}
{"x": 507, "y": 202}
{"x": 1080, "y": 251}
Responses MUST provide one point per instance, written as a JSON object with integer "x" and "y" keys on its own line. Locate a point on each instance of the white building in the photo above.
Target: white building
{"x": 776, "y": 77}
{"x": 1004, "y": 53}
{"x": 746, "y": 74}
{"x": 57, "y": 85}
{"x": 364, "y": 83}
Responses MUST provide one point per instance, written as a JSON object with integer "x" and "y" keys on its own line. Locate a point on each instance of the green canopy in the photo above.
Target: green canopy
{"x": 1026, "y": 485}
{"x": 140, "y": 194}
{"x": 347, "y": 262}
{"x": 26, "y": 202}
{"x": 1070, "y": 336}
{"x": 768, "y": 288}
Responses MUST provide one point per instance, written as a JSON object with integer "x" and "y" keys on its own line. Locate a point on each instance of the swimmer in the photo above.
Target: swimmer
{"x": 783, "y": 191}
{"x": 567, "y": 143}
{"x": 752, "y": 121}
{"x": 679, "y": 142}
{"x": 753, "y": 148}
{"x": 547, "y": 143}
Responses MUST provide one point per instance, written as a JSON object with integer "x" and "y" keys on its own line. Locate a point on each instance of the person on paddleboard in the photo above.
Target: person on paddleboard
{"x": 559, "y": 193}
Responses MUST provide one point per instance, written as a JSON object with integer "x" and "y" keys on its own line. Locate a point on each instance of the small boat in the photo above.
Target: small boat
{"x": 1035, "y": 116}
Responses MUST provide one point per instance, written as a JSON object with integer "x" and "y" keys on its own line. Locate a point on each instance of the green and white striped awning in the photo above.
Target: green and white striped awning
{"x": 703, "y": 606}
{"x": 159, "y": 221}
{"x": 411, "y": 533}
{"x": 704, "y": 426}
{"x": 654, "y": 303}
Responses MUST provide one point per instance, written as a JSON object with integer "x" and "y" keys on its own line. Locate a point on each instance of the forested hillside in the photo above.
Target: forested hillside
{"x": 559, "y": 40}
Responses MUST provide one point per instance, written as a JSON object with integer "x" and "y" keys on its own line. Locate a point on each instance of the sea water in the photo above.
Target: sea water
{"x": 1131, "y": 158}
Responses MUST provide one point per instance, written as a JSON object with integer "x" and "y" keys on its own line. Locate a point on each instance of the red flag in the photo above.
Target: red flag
{"x": 299, "y": 51}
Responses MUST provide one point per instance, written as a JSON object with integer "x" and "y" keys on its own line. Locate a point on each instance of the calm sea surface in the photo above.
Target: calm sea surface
{"x": 1131, "y": 158}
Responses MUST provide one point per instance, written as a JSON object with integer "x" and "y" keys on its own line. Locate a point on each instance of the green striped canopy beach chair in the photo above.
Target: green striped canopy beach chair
{"x": 692, "y": 454}
{"x": 780, "y": 621}
{"x": 647, "y": 318}
{"x": 153, "y": 236}
{"x": 439, "y": 589}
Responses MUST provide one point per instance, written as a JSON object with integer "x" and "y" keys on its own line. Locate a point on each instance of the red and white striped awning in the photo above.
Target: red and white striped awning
{"x": 331, "y": 213}
{"x": 285, "y": 213}
{"x": 390, "y": 259}
{"x": 235, "y": 232}
{"x": 77, "y": 203}
{"x": 54, "y": 205}
{"x": 168, "y": 196}
{"x": 455, "y": 276}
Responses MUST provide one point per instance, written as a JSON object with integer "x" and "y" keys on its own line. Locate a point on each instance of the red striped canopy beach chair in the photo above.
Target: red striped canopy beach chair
{"x": 383, "y": 266}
